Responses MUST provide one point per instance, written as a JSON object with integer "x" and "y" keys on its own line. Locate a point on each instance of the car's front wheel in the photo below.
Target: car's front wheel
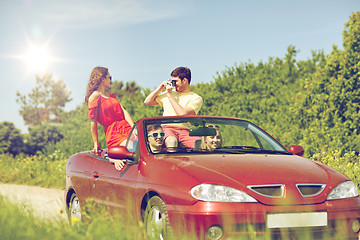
{"x": 74, "y": 213}
{"x": 156, "y": 219}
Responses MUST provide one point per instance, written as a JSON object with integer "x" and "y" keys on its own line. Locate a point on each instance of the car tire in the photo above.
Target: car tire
{"x": 74, "y": 212}
{"x": 156, "y": 219}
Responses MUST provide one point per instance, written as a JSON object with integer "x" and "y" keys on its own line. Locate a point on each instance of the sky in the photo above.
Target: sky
{"x": 144, "y": 40}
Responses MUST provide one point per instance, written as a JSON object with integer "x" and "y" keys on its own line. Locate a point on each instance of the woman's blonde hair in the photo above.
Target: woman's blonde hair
{"x": 97, "y": 75}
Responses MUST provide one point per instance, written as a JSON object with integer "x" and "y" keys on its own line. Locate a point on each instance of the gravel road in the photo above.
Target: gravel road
{"x": 45, "y": 202}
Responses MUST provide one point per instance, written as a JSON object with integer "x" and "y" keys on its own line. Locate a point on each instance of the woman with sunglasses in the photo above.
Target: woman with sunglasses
{"x": 155, "y": 138}
{"x": 105, "y": 109}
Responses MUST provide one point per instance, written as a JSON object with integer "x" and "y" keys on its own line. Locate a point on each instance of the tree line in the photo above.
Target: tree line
{"x": 313, "y": 102}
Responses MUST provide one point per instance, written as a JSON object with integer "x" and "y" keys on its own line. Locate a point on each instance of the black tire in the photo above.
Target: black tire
{"x": 156, "y": 219}
{"x": 74, "y": 211}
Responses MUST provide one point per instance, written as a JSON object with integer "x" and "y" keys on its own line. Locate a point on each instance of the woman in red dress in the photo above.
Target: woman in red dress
{"x": 105, "y": 109}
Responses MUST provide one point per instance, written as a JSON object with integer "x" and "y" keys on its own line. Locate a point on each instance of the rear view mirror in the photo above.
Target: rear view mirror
{"x": 202, "y": 131}
{"x": 297, "y": 150}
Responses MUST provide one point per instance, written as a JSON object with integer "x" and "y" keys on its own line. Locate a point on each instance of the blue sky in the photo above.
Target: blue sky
{"x": 144, "y": 40}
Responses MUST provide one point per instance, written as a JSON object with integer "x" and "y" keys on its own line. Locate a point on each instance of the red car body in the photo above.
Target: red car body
{"x": 171, "y": 177}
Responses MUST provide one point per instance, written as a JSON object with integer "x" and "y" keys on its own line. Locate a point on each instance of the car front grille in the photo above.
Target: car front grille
{"x": 274, "y": 190}
{"x": 277, "y": 190}
{"x": 310, "y": 190}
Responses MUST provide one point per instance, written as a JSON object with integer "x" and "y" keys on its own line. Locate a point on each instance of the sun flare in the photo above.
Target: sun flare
{"x": 37, "y": 58}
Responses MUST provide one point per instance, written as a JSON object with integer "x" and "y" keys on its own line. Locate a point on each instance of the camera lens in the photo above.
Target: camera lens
{"x": 173, "y": 82}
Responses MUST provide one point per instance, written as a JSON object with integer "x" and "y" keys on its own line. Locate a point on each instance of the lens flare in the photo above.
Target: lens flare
{"x": 37, "y": 59}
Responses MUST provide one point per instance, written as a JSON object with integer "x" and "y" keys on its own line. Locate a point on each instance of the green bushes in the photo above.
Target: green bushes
{"x": 42, "y": 170}
{"x": 348, "y": 163}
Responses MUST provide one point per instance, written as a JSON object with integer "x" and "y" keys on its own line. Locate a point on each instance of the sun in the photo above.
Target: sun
{"x": 37, "y": 58}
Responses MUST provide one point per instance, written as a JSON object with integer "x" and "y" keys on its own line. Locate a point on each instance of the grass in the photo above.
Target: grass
{"x": 18, "y": 222}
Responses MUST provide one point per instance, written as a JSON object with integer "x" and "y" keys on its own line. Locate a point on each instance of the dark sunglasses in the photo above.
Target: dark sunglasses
{"x": 156, "y": 134}
{"x": 213, "y": 126}
{"x": 110, "y": 78}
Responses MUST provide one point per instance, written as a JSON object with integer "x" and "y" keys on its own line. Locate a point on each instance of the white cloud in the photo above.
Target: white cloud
{"x": 94, "y": 13}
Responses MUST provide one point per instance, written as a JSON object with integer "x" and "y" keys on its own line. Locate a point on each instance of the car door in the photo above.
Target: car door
{"x": 79, "y": 173}
{"x": 115, "y": 188}
{"x": 111, "y": 187}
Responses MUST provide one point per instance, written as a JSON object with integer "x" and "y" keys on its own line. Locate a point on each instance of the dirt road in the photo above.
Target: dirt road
{"x": 45, "y": 202}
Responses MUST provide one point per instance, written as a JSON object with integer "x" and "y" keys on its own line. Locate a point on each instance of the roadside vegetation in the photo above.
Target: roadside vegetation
{"x": 314, "y": 103}
{"x": 38, "y": 170}
{"x": 17, "y": 224}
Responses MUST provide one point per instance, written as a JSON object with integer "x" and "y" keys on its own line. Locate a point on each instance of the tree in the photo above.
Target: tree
{"x": 45, "y": 102}
{"x": 131, "y": 96}
{"x": 330, "y": 111}
{"x": 130, "y": 90}
{"x": 40, "y": 136}
{"x": 76, "y": 132}
{"x": 11, "y": 140}
{"x": 262, "y": 93}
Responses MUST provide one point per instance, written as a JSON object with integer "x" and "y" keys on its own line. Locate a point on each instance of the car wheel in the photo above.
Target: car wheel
{"x": 156, "y": 219}
{"x": 74, "y": 213}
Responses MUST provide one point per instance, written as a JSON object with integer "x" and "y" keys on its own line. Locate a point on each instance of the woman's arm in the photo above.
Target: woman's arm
{"x": 93, "y": 124}
{"x": 94, "y": 135}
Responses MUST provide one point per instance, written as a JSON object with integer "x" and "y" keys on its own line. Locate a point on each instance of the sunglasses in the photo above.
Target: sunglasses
{"x": 213, "y": 126}
{"x": 110, "y": 78}
{"x": 156, "y": 134}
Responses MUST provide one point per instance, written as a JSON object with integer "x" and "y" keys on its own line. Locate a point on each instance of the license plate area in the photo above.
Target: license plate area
{"x": 289, "y": 220}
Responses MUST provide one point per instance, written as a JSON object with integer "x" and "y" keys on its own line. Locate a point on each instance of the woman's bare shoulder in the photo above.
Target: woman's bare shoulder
{"x": 93, "y": 97}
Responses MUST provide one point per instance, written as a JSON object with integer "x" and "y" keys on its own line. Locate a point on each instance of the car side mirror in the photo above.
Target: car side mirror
{"x": 297, "y": 150}
{"x": 121, "y": 152}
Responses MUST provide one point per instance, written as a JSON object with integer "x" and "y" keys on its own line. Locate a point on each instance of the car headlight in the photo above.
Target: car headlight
{"x": 343, "y": 190}
{"x": 219, "y": 193}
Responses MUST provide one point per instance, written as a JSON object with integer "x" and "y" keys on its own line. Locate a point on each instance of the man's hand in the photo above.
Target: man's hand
{"x": 169, "y": 87}
{"x": 165, "y": 84}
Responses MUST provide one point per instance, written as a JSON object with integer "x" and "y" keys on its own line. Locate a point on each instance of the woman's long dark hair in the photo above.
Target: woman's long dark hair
{"x": 97, "y": 74}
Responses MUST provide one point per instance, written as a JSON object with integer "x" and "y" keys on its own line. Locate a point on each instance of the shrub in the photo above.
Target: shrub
{"x": 42, "y": 170}
{"x": 347, "y": 163}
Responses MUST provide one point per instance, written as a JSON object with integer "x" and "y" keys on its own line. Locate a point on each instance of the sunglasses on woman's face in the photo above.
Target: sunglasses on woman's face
{"x": 107, "y": 77}
{"x": 213, "y": 126}
{"x": 156, "y": 134}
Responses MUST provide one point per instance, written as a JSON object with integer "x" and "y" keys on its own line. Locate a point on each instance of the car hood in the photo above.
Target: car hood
{"x": 248, "y": 170}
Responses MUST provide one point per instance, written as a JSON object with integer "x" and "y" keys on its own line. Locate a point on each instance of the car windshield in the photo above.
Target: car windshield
{"x": 208, "y": 135}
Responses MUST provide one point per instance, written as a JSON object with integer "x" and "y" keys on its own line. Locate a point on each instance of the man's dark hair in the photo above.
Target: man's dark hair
{"x": 182, "y": 72}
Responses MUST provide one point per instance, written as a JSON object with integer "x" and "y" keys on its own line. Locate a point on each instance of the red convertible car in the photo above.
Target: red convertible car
{"x": 229, "y": 178}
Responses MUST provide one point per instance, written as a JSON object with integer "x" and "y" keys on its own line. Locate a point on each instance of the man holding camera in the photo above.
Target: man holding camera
{"x": 177, "y": 100}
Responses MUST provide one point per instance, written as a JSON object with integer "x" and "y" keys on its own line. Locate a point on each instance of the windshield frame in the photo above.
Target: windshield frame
{"x": 203, "y": 121}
